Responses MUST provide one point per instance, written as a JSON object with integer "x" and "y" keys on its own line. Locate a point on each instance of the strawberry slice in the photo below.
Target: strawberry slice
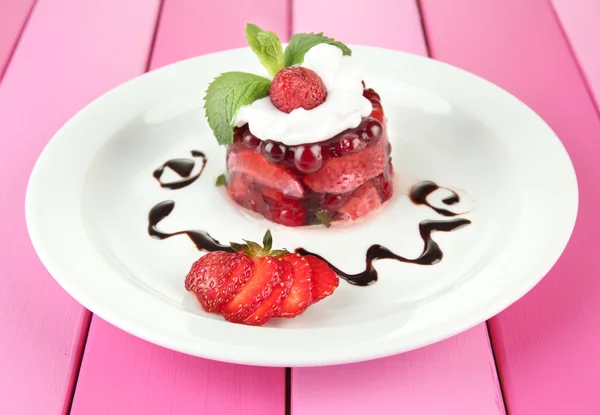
{"x": 324, "y": 279}
{"x": 344, "y": 174}
{"x": 300, "y": 295}
{"x": 266, "y": 276}
{"x": 264, "y": 172}
{"x": 362, "y": 202}
{"x": 217, "y": 277}
{"x": 238, "y": 188}
{"x": 268, "y": 307}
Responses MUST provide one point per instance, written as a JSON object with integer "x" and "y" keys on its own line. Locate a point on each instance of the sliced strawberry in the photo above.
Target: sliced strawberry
{"x": 300, "y": 295}
{"x": 362, "y": 202}
{"x": 218, "y": 276}
{"x": 266, "y": 276}
{"x": 264, "y": 172}
{"x": 344, "y": 174}
{"x": 238, "y": 188}
{"x": 324, "y": 279}
{"x": 271, "y": 304}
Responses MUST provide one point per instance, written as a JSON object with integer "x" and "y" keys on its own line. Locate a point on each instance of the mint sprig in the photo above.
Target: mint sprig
{"x": 267, "y": 47}
{"x": 224, "y": 97}
{"x": 232, "y": 90}
{"x": 300, "y": 43}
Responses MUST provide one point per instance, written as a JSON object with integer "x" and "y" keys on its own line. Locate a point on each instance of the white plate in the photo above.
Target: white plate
{"x": 92, "y": 188}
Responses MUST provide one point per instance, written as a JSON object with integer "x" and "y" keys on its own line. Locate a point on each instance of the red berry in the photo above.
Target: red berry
{"x": 297, "y": 87}
{"x": 250, "y": 140}
{"x": 362, "y": 202}
{"x": 255, "y": 284}
{"x": 271, "y": 304}
{"x": 217, "y": 277}
{"x": 324, "y": 279}
{"x": 344, "y": 174}
{"x": 274, "y": 151}
{"x": 308, "y": 159}
{"x": 372, "y": 131}
{"x": 288, "y": 212}
{"x": 333, "y": 202}
{"x": 300, "y": 295}
{"x": 260, "y": 170}
{"x": 265, "y": 277}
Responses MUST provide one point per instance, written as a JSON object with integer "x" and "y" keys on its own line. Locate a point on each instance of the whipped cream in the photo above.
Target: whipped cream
{"x": 343, "y": 108}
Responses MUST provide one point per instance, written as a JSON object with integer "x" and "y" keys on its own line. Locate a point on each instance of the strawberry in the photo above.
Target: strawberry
{"x": 344, "y": 174}
{"x": 217, "y": 277}
{"x": 324, "y": 279}
{"x": 254, "y": 283}
{"x": 238, "y": 188}
{"x": 288, "y": 212}
{"x": 300, "y": 295}
{"x": 362, "y": 202}
{"x": 297, "y": 87}
{"x": 272, "y": 303}
{"x": 266, "y": 276}
{"x": 264, "y": 172}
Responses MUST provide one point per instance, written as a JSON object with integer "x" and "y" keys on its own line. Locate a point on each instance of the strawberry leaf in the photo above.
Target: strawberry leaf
{"x": 237, "y": 247}
{"x": 224, "y": 97}
{"x": 267, "y": 47}
{"x": 300, "y": 43}
{"x": 268, "y": 240}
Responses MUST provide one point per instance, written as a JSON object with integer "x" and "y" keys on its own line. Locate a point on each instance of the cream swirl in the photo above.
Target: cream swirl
{"x": 344, "y": 107}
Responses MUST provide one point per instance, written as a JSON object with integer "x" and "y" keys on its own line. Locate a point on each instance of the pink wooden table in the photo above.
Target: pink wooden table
{"x": 540, "y": 356}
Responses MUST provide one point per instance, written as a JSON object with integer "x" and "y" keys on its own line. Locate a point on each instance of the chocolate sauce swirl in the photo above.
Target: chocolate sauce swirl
{"x": 183, "y": 168}
{"x": 432, "y": 253}
{"x": 420, "y": 192}
{"x": 202, "y": 240}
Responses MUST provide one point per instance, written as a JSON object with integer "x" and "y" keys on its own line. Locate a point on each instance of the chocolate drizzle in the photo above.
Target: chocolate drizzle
{"x": 183, "y": 168}
{"x": 431, "y": 255}
{"x": 202, "y": 240}
{"x": 421, "y": 190}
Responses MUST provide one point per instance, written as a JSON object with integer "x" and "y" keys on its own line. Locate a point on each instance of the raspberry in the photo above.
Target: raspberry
{"x": 297, "y": 87}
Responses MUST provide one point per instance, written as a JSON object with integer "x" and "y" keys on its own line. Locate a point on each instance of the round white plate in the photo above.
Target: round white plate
{"x": 92, "y": 188}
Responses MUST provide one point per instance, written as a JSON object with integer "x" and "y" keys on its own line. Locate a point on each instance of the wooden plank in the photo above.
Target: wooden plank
{"x": 13, "y": 17}
{"x": 122, "y": 374}
{"x": 579, "y": 19}
{"x": 69, "y": 53}
{"x": 142, "y": 377}
{"x": 457, "y": 376}
{"x": 547, "y": 343}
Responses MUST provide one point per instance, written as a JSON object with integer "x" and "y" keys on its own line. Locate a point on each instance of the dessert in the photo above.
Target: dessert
{"x": 250, "y": 284}
{"x": 308, "y": 145}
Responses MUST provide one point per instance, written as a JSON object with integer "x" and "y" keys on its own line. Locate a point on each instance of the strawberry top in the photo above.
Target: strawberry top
{"x": 297, "y": 87}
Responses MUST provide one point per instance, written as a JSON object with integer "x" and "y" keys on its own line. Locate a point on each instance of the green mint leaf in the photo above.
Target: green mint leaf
{"x": 267, "y": 47}
{"x": 221, "y": 180}
{"x": 224, "y": 97}
{"x": 301, "y": 43}
{"x": 268, "y": 240}
{"x": 325, "y": 217}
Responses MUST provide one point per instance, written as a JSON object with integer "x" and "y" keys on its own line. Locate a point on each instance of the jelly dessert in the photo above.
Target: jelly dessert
{"x": 308, "y": 145}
